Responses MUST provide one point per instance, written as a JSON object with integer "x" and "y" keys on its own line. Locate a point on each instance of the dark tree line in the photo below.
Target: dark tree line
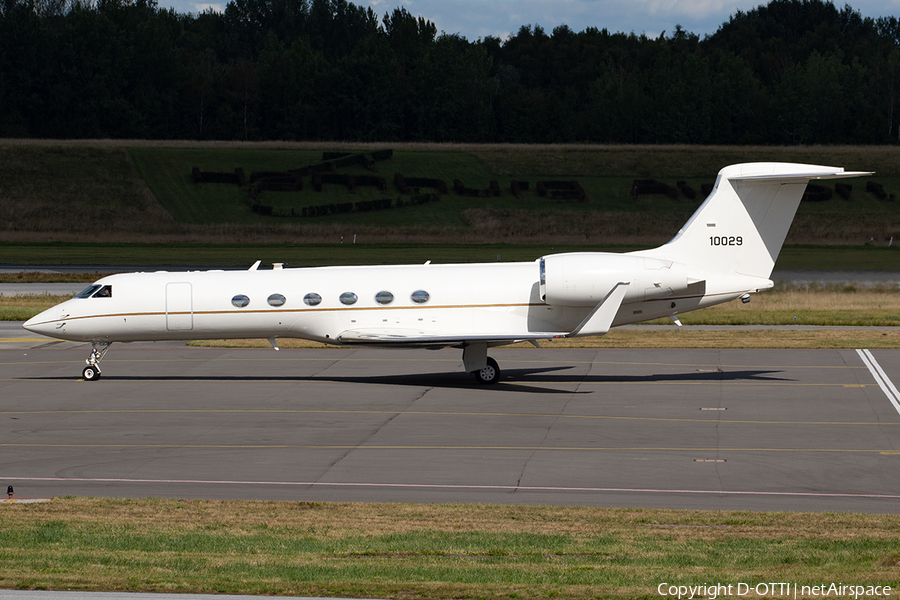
{"x": 790, "y": 72}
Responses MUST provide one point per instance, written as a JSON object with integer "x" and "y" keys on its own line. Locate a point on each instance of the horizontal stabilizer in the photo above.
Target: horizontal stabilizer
{"x": 837, "y": 173}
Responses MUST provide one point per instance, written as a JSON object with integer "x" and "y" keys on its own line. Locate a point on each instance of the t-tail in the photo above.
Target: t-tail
{"x": 739, "y": 230}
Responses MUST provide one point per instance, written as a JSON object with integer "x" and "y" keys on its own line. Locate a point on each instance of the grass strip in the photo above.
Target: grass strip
{"x": 798, "y": 257}
{"x": 292, "y": 255}
{"x": 429, "y": 551}
{"x": 22, "y": 308}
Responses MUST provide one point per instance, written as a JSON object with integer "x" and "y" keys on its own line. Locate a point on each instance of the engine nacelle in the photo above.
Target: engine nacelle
{"x": 585, "y": 278}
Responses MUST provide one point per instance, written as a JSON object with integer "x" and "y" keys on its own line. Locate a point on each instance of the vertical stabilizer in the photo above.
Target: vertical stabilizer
{"x": 741, "y": 227}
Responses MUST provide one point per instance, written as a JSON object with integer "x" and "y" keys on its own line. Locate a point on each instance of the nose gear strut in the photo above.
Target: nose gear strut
{"x": 92, "y": 370}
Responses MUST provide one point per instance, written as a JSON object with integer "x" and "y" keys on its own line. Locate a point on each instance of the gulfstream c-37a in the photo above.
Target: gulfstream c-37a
{"x": 725, "y": 251}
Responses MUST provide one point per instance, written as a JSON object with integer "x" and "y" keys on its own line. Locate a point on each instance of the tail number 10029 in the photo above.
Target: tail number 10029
{"x": 715, "y": 240}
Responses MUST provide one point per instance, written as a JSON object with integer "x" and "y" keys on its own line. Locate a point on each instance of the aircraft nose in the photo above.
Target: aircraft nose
{"x": 44, "y": 324}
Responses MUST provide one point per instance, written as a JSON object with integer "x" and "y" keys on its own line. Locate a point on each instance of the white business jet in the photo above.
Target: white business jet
{"x": 725, "y": 251}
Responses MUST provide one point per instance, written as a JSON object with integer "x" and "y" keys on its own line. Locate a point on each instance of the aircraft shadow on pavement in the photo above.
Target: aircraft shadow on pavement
{"x": 519, "y": 380}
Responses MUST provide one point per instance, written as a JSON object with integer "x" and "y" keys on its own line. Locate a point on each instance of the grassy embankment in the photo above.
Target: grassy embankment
{"x": 142, "y": 192}
{"x": 431, "y": 551}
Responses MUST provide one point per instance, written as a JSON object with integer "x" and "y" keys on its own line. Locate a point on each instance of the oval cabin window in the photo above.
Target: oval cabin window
{"x": 348, "y": 298}
{"x": 276, "y": 300}
{"x": 312, "y": 299}
{"x": 240, "y": 301}
{"x": 384, "y": 297}
{"x": 420, "y": 297}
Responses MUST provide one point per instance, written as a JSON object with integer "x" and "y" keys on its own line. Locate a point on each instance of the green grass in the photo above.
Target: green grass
{"x": 243, "y": 255}
{"x": 82, "y": 191}
{"x": 430, "y": 551}
{"x": 76, "y": 191}
{"x": 671, "y": 162}
{"x": 840, "y": 258}
{"x": 22, "y": 308}
{"x": 168, "y": 174}
{"x": 606, "y": 175}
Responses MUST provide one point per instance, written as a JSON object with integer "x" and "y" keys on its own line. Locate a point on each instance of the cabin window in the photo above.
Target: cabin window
{"x": 384, "y": 297}
{"x": 276, "y": 300}
{"x": 240, "y": 301}
{"x": 88, "y": 291}
{"x": 348, "y": 298}
{"x": 312, "y": 299}
{"x": 104, "y": 292}
{"x": 419, "y": 296}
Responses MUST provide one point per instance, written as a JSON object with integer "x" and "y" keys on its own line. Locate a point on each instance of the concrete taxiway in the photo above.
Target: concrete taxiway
{"x": 701, "y": 429}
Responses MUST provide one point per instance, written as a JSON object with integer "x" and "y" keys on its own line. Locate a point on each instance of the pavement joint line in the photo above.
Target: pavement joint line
{"x": 447, "y": 447}
{"x": 712, "y": 419}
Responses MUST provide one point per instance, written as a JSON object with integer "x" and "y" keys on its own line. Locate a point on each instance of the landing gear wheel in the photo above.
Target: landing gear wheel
{"x": 91, "y": 373}
{"x": 490, "y": 374}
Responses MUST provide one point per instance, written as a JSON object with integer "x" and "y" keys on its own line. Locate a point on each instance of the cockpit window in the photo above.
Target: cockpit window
{"x": 105, "y": 292}
{"x": 88, "y": 291}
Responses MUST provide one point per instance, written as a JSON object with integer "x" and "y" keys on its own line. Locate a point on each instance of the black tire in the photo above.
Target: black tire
{"x": 490, "y": 374}
{"x": 91, "y": 373}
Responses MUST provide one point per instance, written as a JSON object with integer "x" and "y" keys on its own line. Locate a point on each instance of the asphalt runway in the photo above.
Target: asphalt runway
{"x": 698, "y": 429}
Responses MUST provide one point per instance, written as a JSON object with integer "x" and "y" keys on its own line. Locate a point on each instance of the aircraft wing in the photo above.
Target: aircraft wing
{"x": 597, "y": 322}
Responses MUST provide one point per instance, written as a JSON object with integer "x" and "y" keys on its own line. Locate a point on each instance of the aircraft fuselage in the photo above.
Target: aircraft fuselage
{"x": 322, "y": 303}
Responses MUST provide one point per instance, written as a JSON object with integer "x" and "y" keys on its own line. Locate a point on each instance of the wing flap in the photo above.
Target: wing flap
{"x": 412, "y": 337}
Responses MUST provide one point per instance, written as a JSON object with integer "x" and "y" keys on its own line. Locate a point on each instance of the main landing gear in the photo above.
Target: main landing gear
{"x": 478, "y": 363}
{"x": 489, "y": 374}
{"x": 92, "y": 371}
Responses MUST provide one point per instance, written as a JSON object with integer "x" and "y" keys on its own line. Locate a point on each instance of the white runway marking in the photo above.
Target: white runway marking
{"x": 884, "y": 382}
{"x": 439, "y": 486}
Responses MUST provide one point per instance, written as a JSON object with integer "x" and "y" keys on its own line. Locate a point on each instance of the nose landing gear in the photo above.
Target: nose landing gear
{"x": 92, "y": 371}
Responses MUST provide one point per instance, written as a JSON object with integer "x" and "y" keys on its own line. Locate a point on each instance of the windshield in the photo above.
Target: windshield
{"x": 86, "y": 292}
